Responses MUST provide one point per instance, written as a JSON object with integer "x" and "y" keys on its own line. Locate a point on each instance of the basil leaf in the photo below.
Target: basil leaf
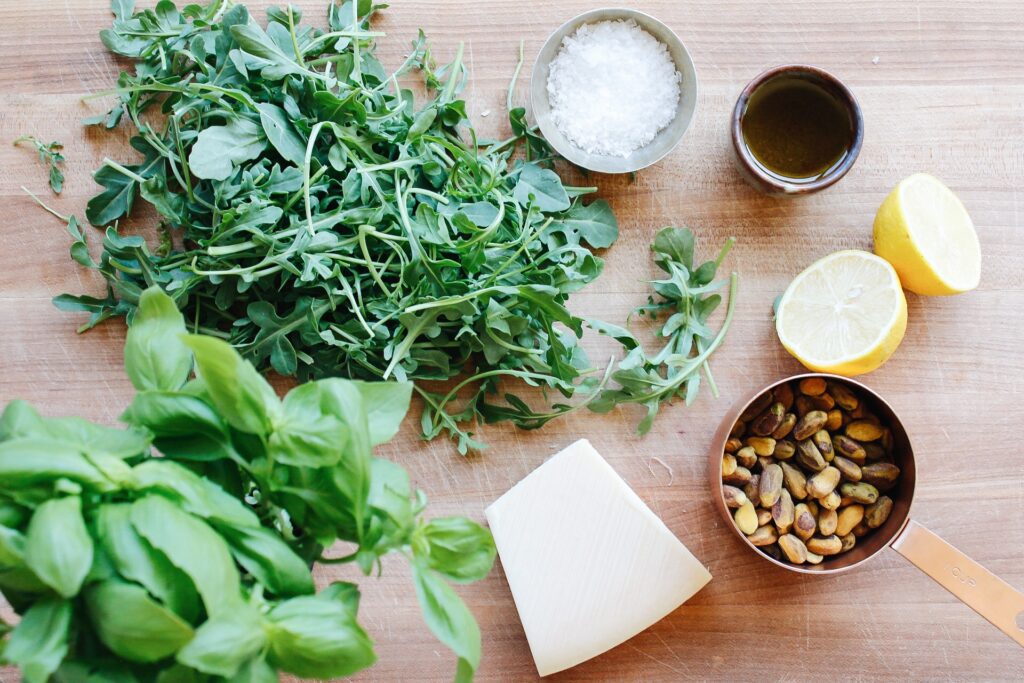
{"x": 198, "y": 495}
{"x": 255, "y": 671}
{"x": 281, "y": 133}
{"x": 308, "y": 433}
{"x": 386, "y": 404}
{"x": 224, "y": 643}
{"x": 184, "y": 426}
{"x": 21, "y": 420}
{"x": 390, "y": 491}
{"x": 448, "y": 618}
{"x": 458, "y": 548}
{"x": 317, "y": 637}
{"x": 135, "y": 559}
{"x": 39, "y": 642}
{"x": 132, "y": 624}
{"x": 193, "y": 547}
{"x": 58, "y": 548}
{"x": 238, "y": 391}
{"x": 218, "y": 149}
{"x": 38, "y": 461}
{"x": 541, "y": 187}
{"x": 269, "y": 559}
{"x": 12, "y": 548}
{"x": 154, "y": 355}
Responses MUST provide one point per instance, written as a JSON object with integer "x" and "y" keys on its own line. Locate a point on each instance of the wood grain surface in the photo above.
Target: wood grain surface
{"x": 942, "y": 89}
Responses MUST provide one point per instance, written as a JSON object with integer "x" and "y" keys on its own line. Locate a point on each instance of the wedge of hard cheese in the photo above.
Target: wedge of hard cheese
{"x": 589, "y": 564}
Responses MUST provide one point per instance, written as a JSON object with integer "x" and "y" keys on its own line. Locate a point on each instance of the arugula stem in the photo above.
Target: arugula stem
{"x": 515, "y": 77}
{"x": 41, "y": 203}
{"x": 107, "y": 161}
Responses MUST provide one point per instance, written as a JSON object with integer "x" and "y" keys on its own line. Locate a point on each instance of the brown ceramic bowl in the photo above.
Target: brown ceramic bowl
{"x": 774, "y": 185}
{"x": 989, "y": 595}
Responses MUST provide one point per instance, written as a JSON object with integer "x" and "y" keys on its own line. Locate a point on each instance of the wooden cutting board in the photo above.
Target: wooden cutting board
{"x": 942, "y": 88}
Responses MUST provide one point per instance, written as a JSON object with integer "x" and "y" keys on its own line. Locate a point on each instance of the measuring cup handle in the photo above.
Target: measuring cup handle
{"x": 975, "y": 586}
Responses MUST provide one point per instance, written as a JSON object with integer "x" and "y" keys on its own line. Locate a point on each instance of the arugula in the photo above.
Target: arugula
{"x": 324, "y": 223}
{"x": 51, "y": 154}
{"x": 686, "y": 299}
{"x": 196, "y": 564}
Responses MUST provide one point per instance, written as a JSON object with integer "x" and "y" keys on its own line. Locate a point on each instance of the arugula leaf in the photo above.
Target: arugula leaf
{"x": 404, "y": 248}
{"x": 218, "y": 149}
{"x": 50, "y": 154}
{"x": 281, "y": 133}
{"x": 594, "y": 223}
{"x": 541, "y": 187}
{"x": 687, "y": 298}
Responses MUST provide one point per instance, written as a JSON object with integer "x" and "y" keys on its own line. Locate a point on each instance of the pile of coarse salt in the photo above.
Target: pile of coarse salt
{"x": 612, "y": 87}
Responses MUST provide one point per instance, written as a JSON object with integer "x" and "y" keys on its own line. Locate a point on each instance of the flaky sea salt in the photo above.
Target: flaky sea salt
{"x": 612, "y": 87}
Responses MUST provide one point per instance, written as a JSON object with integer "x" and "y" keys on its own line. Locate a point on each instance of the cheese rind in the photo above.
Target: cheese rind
{"x": 589, "y": 564}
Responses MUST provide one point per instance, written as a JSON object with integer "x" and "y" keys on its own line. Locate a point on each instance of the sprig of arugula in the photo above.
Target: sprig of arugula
{"x": 326, "y": 224}
{"x": 686, "y": 299}
{"x": 51, "y": 154}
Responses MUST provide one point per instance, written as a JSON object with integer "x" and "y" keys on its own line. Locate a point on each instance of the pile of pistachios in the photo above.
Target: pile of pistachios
{"x": 805, "y": 471}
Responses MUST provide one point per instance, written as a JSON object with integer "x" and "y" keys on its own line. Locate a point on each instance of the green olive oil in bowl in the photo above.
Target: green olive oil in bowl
{"x": 795, "y": 129}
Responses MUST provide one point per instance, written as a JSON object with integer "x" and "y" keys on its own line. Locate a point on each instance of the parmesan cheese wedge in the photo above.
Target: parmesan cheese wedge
{"x": 589, "y": 564}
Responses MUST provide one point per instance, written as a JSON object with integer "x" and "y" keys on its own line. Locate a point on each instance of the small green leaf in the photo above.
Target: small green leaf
{"x": 594, "y": 223}
{"x": 39, "y": 642}
{"x": 254, "y": 40}
{"x": 541, "y": 187}
{"x": 39, "y": 461}
{"x": 219, "y": 148}
{"x": 154, "y": 355}
{"x": 135, "y": 559}
{"x": 12, "y": 548}
{"x": 133, "y": 625}
{"x": 243, "y": 397}
{"x": 448, "y": 618}
{"x": 184, "y": 426}
{"x": 458, "y": 548}
{"x": 58, "y": 548}
{"x": 281, "y": 133}
{"x": 192, "y": 546}
{"x": 269, "y": 559}
{"x": 317, "y": 637}
{"x": 386, "y": 404}
{"x": 308, "y": 433}
{"x": 224, "y": 643}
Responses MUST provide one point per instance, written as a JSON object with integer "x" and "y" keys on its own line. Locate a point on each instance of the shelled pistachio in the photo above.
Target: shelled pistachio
{"x": 805, "y": 469}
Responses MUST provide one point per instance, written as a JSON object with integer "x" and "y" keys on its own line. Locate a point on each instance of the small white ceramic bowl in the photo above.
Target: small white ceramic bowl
{"x": 663, "y": 143}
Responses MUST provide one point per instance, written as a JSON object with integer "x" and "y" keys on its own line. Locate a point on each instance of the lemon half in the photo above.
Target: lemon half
{"x": 845, "y": 314}
{"x": 924, "y": 231}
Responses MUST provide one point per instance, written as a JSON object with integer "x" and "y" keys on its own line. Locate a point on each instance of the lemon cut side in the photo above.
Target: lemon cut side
{"x": 925, "y": 232}
{"x": 845, "y": 314}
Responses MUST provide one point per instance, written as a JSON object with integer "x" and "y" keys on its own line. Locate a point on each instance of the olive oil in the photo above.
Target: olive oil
{"x": 796, "y": 129}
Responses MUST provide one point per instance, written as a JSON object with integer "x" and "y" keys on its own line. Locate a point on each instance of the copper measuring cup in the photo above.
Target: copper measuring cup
{"x": 972, "y": 584}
